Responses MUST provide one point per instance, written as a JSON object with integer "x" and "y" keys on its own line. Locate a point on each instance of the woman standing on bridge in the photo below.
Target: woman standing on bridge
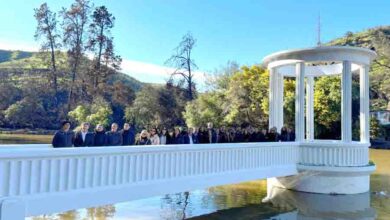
{"x": 143, "y": 138}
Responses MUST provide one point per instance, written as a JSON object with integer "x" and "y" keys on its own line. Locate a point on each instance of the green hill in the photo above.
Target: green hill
{"x": 23, "y": 61}
{"x": 7, "y": 55}
{"x": 377, "y": 39}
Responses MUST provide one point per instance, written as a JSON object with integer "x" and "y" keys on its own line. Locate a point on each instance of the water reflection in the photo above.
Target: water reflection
{"x": 319, "y": 206}
{"x": 283, "y": 204}
{"x": 99, "y": 213}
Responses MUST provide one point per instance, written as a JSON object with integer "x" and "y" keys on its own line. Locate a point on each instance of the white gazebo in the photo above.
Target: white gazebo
{"x": 328, "y": 159}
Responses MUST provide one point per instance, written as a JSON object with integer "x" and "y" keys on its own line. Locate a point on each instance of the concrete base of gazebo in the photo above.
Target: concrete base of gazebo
{"x": 329, "y": 167}
{"x": 326, "y": 180}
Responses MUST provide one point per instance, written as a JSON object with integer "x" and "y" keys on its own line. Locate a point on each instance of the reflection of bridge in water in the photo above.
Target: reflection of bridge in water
{"x": 42, "y": 180}
{"x": 301, "y": 206}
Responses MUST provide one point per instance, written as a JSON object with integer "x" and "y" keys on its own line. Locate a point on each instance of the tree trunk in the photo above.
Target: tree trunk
{"x": 189, "y": 79}
{"x": 74, "y": 69}
{"x": 99, "y": 57}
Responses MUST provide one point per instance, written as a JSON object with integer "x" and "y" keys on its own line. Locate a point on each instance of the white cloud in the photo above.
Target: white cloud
{"x": 148, "y": 72}
{"x": 15, "y": 45}
{"x": 142, "y": 71}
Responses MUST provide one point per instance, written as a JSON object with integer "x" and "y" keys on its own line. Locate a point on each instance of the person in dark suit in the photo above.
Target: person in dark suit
{"x": 264, "y": 133}
{"x": 197, "y": 135}
{"x": 84, "y": 138}
{"x": 238, "y": 137}
{"x": 128, "y": 135}
{"x": 202, "y": 136}
{"x": 100, "y": 137}
{"x": 252, "y": 134}
{"x": 273, "y": 135}
{"x": 190, "y": 138}
{"x": 114, "y": 137}
{"x": 177, "y": 137}
{"x": 64, "y": 136}
{"x": 290, "y": 134}
{"x": 283, "y": 134}
{"x": 223, "y": 135}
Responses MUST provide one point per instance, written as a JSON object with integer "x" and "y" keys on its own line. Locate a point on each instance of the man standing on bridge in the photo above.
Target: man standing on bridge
{"x": 64, "y": 136}
{"x": 84, "y": 138}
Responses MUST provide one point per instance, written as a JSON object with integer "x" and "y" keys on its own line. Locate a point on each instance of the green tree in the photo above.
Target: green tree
{"x": 157, "y": 106}
{"x": 327, "y": 106}
{"x": 375, "y": 129}
{"x": 27, "y": 113}
{"x": 206, "y": 108}
{"x": 99, "y": 112}
{"x": 47, "y": 29}
{"x": 80, "y": 113}
{"x": 101, "y": 44}
{"x": 248, "y": 97}
{"x": 75, "y": 21}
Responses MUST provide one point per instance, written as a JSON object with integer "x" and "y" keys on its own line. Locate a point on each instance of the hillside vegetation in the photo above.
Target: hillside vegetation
{"x": 377, "y": 39}
{"x": 239, "y": 95}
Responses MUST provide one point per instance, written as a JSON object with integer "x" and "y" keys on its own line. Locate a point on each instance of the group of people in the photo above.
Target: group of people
{"x": 65, "y": 137}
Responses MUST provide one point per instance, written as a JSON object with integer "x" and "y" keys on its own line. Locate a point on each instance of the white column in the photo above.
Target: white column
{"x": 364, "y": 104}
{"x": 279, "y": 103}
{"x": 272, "y": 98}
{"x": 300, "y": 101}
{"x": 310, "y": 108}
{"x": 346, "y": 102}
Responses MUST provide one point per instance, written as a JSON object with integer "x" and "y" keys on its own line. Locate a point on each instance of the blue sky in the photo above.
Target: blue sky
{"x": 245, "y": 31}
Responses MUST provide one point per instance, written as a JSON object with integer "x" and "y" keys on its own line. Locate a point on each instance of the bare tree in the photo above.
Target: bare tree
{"x": 101, "y": 44}
{"x": 75, "y": 21}
{"x": 47, "y": 29}
{"x": 183, "y": 63}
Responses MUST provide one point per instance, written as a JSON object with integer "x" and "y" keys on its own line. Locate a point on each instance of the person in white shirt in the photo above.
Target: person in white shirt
{"x": 164, "y": 137}
{"x": 84, "y": 138}
{"x": 154, "y": 138}
{"x": 189, "y": 138}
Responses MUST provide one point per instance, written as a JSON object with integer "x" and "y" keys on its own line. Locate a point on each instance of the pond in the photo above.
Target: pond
{"x": 245, "y": 201}
{"x": 25, "y": 139}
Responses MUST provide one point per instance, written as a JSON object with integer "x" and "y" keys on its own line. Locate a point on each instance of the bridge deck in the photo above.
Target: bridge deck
{"x": 46, "y": 180}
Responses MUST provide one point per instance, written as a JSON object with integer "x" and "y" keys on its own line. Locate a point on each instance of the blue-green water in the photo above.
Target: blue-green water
{"x": 245, "y": 201}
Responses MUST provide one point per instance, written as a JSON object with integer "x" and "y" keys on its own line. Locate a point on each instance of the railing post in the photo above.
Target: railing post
{"x": 12, "y": 209}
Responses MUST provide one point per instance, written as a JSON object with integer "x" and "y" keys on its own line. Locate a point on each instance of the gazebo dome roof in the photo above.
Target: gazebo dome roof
{"x": 322, "y": 60}
{"x": 356, "y": 55}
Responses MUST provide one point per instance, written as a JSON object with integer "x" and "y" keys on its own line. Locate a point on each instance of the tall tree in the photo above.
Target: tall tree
{"x": 75, "y": 21}
{"x": 101, "y": 44}
{"x": 183, "y": 63}
{"x": 47, "y": 29}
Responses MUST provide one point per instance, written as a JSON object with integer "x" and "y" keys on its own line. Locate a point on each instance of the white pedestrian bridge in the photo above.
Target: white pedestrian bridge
{"x": 38, "y": 179}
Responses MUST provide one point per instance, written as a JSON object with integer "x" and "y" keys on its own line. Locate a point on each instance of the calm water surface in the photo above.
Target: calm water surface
{"x": 25, "y": 139}
{"x": 246, "y": 201}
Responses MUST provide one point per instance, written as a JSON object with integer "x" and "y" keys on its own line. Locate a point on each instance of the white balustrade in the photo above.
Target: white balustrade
{"x": 41, "y": 176}
{"x": 333, "y": 153}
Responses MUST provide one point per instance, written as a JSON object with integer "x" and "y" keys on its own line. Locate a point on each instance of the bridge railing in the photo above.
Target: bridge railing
{"x": 333, "y": 153}
{"x": 51, "y": 180}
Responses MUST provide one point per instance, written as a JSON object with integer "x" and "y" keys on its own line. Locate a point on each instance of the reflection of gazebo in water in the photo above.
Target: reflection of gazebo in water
{"x": 329, "y": 162}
